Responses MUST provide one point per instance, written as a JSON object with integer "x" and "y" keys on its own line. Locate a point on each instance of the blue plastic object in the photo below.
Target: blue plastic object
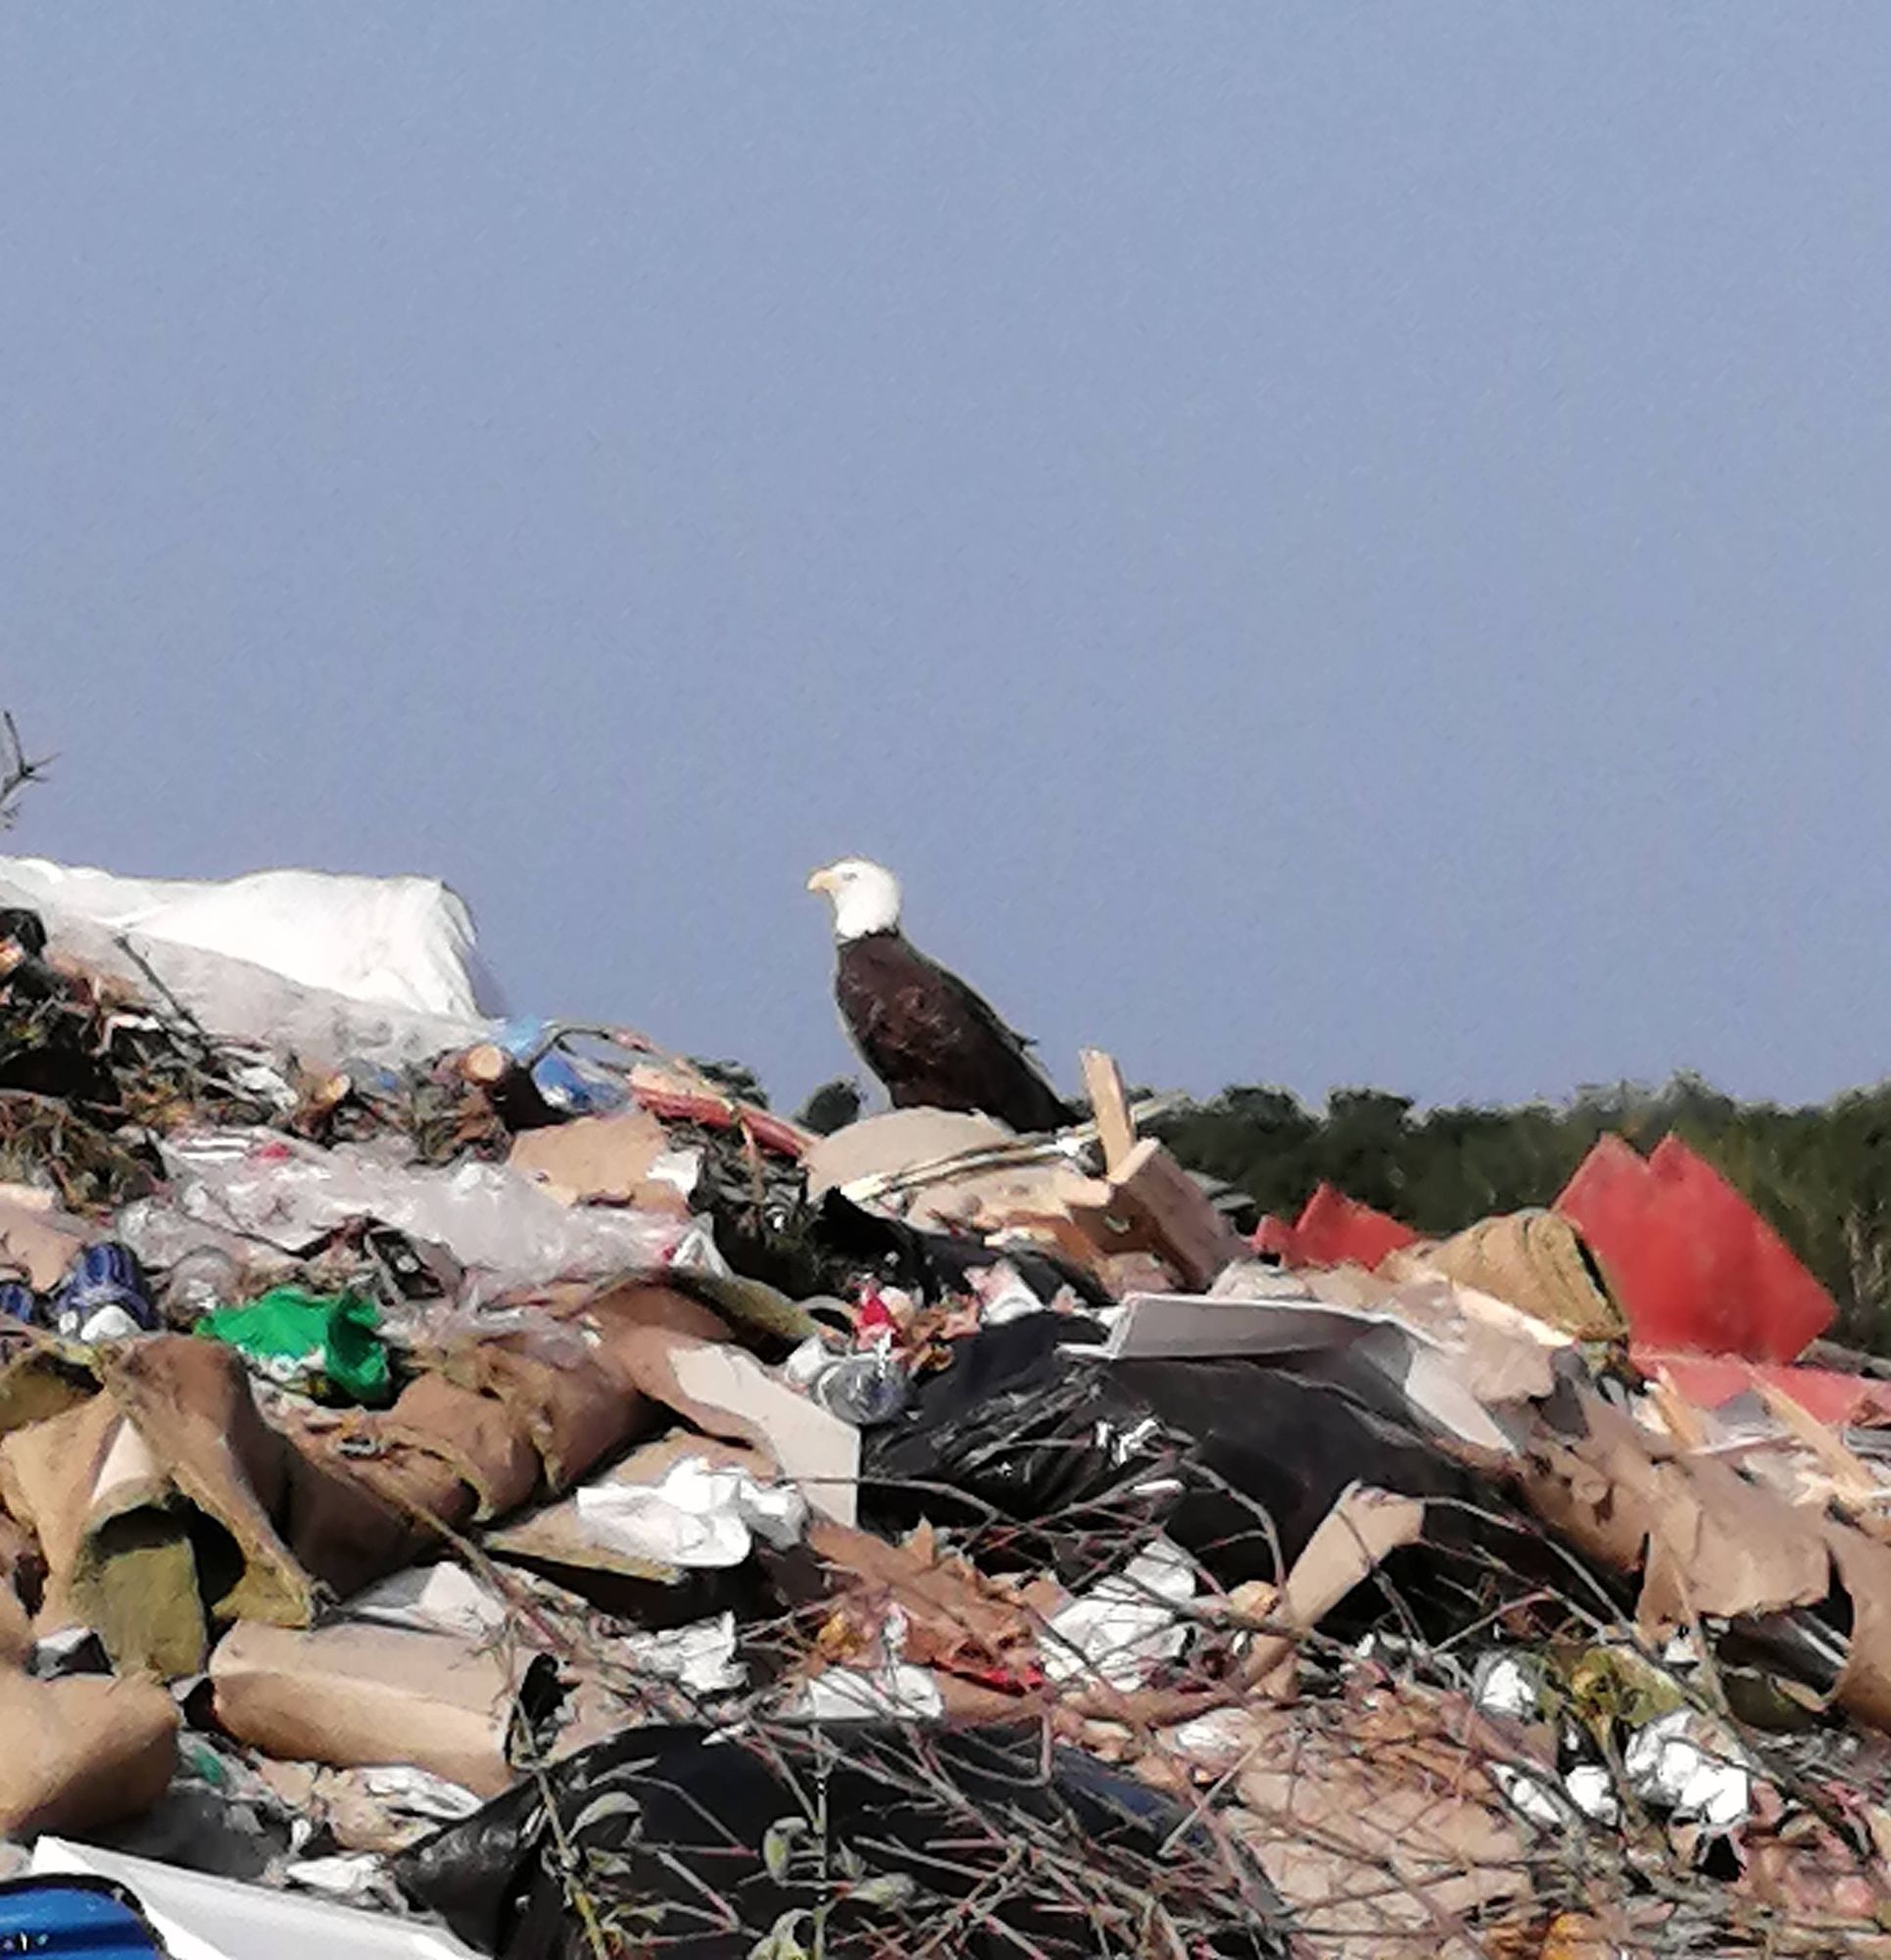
{"x": 16, "y": 1301}
{"x": 568, "y": 1082}
{"x": 75, "y": 1915}
{"x": 102, "y": 1276}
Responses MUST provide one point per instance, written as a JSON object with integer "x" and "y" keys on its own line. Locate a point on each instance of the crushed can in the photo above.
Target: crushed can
{"x": 103, "y": 1297}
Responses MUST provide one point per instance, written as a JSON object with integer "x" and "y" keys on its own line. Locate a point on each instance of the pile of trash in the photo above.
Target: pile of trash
{"x": 471, "y": 1485}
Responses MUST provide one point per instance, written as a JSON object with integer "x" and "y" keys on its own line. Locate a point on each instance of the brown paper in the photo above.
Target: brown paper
{"x": 191, "y": 1402}
{"x": 1865, "y": 1571}
{"x": 38, "y": 1243}
{"x": 15, "y": 1628}
{"x": 954, "y": 1619}
{"x": 351, "y": 1520}
{"x": 1364, "y": 1527}
{"x": 486, "y": 1443}
{"x": 82, "y": 1752}
{"x": 549, "y": 1380}
{"x": 350, "y": 1695}
{"x": 592, "y": 1160}
{"x": 47, "y": 1473}
{"x": 625, "y": 1322}
{"x": 1705, "y": 1540}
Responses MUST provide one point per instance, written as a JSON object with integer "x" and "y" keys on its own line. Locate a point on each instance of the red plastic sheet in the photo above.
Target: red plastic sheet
{"x": 1335, "y": 1230}
{"x": 1697, "y": 1270}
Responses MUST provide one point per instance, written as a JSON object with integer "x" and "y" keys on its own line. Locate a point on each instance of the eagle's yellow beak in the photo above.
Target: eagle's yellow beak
{"x": 821, "y": 880}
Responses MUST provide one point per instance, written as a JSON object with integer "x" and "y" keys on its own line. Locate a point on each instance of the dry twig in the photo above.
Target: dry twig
{"x": 17, "y": 771}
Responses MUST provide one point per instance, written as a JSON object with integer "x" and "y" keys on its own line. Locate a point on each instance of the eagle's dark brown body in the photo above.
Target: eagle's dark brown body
{"x": 933, "y": 1041}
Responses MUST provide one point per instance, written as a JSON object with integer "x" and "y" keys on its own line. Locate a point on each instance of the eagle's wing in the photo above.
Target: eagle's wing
{"x": 933, "y": 1039}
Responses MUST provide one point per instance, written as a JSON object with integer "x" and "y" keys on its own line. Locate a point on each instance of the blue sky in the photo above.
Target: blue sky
{"x": 1327, "y": 544}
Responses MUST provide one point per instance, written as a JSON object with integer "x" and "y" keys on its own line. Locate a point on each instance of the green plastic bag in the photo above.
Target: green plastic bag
{"x": 328, "y": 1346}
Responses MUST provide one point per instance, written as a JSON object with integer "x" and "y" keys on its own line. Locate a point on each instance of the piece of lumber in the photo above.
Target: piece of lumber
{"x": 488, "y": 1064}
{"x": 1109, "y": 1104}
{"x": 1848, "y": 1472}
{"x": 1680, "y": 1416}
{"x": 1153, "y": 1204}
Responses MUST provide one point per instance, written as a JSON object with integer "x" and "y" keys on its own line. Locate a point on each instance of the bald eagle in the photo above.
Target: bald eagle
{"x": 922, "y": 1030}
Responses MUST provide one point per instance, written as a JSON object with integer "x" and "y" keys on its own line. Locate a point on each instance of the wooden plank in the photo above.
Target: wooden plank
{"x": 1153, "y": 1204}
{"x": 1849, "y": 1473}
{"x": 1681, "y": 1417}
{"x": 1109, "y": 1104}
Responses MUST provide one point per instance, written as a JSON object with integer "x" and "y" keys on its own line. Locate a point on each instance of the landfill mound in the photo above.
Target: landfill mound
{"x": 480, "y": 1486}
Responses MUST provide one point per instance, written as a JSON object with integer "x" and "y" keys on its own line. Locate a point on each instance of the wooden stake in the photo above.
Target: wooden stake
{"x": 1848, "y": 1472}
{"x": 1110, "y": 1108}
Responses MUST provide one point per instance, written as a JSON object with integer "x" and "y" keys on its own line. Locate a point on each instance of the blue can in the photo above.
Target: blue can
{"x": 102, "y": 1276}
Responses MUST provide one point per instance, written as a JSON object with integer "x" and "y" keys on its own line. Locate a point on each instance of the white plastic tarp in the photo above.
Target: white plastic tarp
{"x": 328, "y": 967}
{"x": 398, "y": 942}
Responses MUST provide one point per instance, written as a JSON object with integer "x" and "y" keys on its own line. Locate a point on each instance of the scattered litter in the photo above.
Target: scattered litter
{"x": 697, "y": 1516}
{"x": 416, "y": 1430}
{"x": 328, "y": 1349}
{"x": 440, "y": 1599}
{"x": 701, "y": 1658}
{"x": 1126, "y": 1626}
{"x": 204, "y": 1918}
{"x": 1666, "y": 1763}
{"x": 103, "y": 1297}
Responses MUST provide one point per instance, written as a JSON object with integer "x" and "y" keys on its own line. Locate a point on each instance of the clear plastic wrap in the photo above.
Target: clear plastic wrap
{"x": 488, "y": 1216}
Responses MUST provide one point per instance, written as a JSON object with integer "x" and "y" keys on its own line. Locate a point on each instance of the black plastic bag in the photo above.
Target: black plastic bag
{"x": 672, "y": 1842}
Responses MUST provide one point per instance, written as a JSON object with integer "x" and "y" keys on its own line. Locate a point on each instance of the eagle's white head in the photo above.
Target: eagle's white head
{"x": 865, "y": 897}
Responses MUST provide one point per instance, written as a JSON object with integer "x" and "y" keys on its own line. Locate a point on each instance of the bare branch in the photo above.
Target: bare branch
{"x": 17, "y": 771}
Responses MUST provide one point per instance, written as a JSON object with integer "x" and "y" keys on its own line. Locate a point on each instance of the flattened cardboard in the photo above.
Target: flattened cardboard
{"x": 82, "y": 1752}
{"x": 896, "y": 1140}
{"x": 350, "y": 1695}
{"x": 572, "y": 1410}
{"x": 1364, "y": 1526}
{"x": 1378, "y": 1841}
{"x": 592, "y": 1160}
{"x": 1151, "y": 1203}
{"x": 1714, "y": 1544}
{"x": 1864, "y": 1568}
{"x": 352, "y": 1519}
{"x": 727, "y": 1391}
